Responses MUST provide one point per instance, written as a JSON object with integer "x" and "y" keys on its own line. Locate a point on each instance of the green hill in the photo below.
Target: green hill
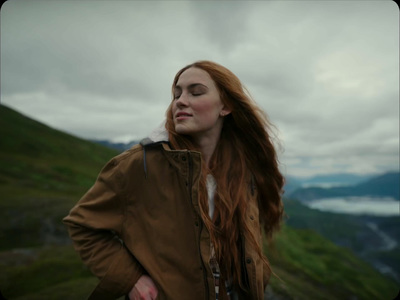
{"x": 311, "y": 267}
{"x": 43, "y": 172}
{"x": 358, "y": 233}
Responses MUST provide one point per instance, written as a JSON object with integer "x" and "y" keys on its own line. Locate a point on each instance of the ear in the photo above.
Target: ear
{"x": 224, "y": 112}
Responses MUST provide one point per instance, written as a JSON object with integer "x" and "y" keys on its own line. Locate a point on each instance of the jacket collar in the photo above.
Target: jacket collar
{"x": 158, "y": 135}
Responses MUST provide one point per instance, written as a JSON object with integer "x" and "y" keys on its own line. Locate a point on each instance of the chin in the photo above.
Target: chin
{"x": 180, "y": 129}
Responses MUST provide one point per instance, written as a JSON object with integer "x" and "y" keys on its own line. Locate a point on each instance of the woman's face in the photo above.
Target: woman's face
{"x": 197, "y": 107}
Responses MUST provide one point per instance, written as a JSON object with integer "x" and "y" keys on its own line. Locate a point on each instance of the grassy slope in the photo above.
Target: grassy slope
{"x": 335, "y": 226}
{"x": 43, "y": 173}
{"x": 311, "y": 267}
{"x": 349, "y": 231}
{"x": 39, "y": 158}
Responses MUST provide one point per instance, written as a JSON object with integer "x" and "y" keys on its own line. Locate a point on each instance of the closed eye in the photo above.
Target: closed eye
{"x": 193, "y": 94}
{"x": 195, "y": 89}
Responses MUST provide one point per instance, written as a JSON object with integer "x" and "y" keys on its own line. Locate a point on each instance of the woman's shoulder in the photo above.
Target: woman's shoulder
{"x": 136, "y": 153}
{"x": 133, "y": 153}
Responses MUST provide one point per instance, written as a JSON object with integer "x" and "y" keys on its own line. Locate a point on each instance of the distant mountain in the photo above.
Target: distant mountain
{"x": 339, "y": 179}
{"x": 385, "y": 185}
{"x": 323, "y": 181}
{"x": 117, "y": 146}
{"x": 291, "y": 184}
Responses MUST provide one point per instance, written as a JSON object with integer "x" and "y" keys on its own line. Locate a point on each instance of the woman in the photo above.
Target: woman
{"x": 180, "y": 216}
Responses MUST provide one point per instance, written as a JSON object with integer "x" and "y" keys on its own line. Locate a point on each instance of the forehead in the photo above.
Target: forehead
{"x": 194, "y": 75}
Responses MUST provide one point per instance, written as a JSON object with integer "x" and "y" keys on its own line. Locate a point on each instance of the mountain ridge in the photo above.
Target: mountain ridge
{"x": 383, "y": 185}
{"x": 117, "y": 146}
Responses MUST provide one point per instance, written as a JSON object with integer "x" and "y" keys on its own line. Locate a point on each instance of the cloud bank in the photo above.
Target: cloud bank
{"x": 326, "y": 73}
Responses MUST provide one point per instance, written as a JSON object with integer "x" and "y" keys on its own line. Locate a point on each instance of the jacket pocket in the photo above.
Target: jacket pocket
{"x": 119, "y": 279}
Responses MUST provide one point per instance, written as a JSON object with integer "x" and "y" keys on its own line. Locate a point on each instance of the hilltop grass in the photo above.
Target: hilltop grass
{"x": 51, "y": 272}
{"x": 33, "y": 220}
{"x": 43, "y": 173}
{"x": 311, "y": 267}
{"x": 33, "y": 206}
{"x": 71, "y": 289}
{"x": 334, "y": 226}
{"x": 351, "y": 232}
{"x": 59, "y": 263}
{"x": 52, "y": 173}
{"x": 37, "y": 157}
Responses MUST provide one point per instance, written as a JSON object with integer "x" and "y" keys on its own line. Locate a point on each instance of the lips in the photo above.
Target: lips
{"x": 182, "y": 114}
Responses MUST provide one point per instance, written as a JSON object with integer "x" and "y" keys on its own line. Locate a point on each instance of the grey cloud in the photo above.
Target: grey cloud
{"x": 325, "y": 72}
{"x": 222, "y": 23}
{"x": 74, "y": 49}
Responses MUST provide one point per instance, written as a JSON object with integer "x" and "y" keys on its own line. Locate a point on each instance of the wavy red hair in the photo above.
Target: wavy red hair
{"x": 244, "y": 157}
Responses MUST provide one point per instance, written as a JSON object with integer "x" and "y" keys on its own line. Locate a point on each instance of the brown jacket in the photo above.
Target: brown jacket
{"x": 142, "y": 217}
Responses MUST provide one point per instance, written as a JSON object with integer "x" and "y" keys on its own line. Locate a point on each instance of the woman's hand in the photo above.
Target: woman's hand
{"x": 144, "y": 289}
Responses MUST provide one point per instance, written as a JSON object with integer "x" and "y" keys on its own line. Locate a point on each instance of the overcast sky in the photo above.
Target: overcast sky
{"x": 326, "y": 72}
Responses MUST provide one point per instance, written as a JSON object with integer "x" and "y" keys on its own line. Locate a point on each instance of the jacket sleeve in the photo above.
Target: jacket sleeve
{"x": 95, "y": 226}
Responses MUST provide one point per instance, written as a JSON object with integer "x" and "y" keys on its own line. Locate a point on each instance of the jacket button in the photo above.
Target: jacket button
{"x": 197, "y": 224}
{"x": 248, "y": 260}
{"x": 183, "y": 158}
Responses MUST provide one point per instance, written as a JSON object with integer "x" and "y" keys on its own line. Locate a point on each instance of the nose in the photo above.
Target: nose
{"x": 182, "y": 101}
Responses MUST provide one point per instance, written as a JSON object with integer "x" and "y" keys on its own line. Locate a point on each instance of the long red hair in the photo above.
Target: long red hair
{"x": 244, "y": 159}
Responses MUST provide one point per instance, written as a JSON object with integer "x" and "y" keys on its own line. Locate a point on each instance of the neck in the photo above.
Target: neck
{"x": 207, "y": 147}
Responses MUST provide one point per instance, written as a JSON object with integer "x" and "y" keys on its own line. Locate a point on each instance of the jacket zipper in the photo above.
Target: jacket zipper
{"x": 200, "y": 225}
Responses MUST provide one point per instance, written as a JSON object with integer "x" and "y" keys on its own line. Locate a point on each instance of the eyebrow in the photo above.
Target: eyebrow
{"x": 191, "y": 86}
